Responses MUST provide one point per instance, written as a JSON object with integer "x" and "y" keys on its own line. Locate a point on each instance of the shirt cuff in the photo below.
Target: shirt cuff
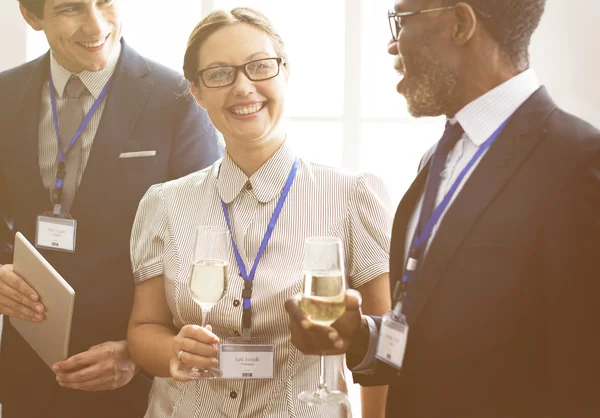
{"x": 148, "y": 272}
{"x": 367, "y": 365}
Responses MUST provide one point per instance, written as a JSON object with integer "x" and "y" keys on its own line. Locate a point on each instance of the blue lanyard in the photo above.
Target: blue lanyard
{"x": 419, "y": 241}
{"x": 249, "y": 278}
{"x": 60, "y": 174}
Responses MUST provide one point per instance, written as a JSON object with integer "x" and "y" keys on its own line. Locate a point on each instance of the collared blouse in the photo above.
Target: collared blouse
{"x": 322, "y": 202}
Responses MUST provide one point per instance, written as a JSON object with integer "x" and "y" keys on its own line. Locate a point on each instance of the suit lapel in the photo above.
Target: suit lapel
{"x": 24, "y": 158}
{"x": 128, "y": 94}
{"x": 507, "y": 154}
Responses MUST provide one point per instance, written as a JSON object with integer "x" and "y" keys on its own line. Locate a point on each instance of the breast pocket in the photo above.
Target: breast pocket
{"x": 135, "y": 161}
{"x": 137, "y": 174}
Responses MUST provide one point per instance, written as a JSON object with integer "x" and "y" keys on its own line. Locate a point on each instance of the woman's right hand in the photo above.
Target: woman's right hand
{"x": 199, "y": 349}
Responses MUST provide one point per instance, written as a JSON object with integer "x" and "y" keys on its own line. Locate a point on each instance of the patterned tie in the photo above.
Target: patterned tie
{"x": 452, "y": 134}
{"x": 69, "y": 121}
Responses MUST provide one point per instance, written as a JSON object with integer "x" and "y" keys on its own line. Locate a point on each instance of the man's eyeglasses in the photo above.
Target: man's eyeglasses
{"x": 396, "y": 25}
{"x": 257, "y": 70}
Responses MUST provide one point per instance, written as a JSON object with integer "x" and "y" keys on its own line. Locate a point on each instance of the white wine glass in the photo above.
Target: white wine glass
{"x": 323, "y": 302}
{"x": 207, "y": 282}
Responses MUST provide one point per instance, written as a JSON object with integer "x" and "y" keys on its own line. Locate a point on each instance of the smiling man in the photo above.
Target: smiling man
{"x": 85, "y": 130}
{"x": 82, "y": 38}
{"x": 494, "y": 255}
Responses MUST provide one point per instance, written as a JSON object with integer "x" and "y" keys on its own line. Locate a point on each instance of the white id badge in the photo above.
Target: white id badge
{"x": 239, "y": 359}
{"x": 54, "y": 233}
{"x": 392, "y": 340}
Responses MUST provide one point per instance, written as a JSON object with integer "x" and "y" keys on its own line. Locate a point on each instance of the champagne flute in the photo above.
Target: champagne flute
{"x": 208, "y": 279}
{"x": 323, "y": 302}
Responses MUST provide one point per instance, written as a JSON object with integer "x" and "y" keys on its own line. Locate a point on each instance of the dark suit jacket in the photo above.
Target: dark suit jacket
{"x": 504, "y": 315}
{"x": 145, "y": 110}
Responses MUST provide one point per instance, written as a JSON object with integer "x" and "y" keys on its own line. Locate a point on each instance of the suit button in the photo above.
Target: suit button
{"x": 248, "y": 185}
{"x": 233, "y": 394}
{"x": 237, "y": 334}
{"x": 236, "y": 303}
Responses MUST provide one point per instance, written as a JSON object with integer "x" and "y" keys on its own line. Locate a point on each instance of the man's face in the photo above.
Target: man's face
{"x": 83, "y": 34}
{"x": 423, "y": 58}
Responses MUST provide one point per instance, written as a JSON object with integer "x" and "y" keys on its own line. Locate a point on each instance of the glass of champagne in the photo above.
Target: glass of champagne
{"x": 323, "y": 302}
{"x": 208, "y": 281}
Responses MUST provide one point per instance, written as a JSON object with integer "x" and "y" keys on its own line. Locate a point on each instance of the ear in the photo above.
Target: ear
{"x": 31, "y": 19}
{"x": 466, "y": 23}
{"x": 197, "y": 95}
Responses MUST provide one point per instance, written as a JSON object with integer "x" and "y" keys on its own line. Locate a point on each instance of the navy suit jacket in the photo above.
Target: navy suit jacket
{"x": 145, "y": 110}
{"x": 503, "y": 318}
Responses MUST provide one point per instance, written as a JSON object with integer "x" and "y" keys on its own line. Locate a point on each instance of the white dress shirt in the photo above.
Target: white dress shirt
{"x": 94, "y": 81}
{"x": 479, "y": 120}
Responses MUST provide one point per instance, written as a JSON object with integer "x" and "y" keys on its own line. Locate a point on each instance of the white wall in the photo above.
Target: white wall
{"x": 12, "y": 35}
{"x": 564, "y": 55}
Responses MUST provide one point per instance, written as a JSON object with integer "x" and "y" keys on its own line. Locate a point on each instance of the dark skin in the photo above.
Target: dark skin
{"x": 314, "y": 339}
{"x": 457, "y": 40}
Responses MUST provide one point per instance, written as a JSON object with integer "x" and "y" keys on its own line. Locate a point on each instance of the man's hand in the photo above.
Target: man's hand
{"x": 316, "y": 339}
{"x": 17, "y": 298}
{"x": 105, "y": 366}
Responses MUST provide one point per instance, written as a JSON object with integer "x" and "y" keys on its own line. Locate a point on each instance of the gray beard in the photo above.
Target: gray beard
{"x": 430, "y": 92}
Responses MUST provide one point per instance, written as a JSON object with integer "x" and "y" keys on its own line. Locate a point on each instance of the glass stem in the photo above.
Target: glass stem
{"x": 205, "y": 312}
{"x": 322, "y": 382}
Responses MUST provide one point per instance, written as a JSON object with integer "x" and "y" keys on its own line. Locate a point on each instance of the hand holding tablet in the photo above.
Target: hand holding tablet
{"x": 49, "y": 337}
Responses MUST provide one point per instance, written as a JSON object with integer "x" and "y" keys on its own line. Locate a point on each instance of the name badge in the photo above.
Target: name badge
{"x": 247, "y": 361}
{"x": 55, "y": 233}
{"x": 392, "y": 340}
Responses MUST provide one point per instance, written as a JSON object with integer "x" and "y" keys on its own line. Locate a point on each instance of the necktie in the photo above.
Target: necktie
{"x": 69, "y": 120}
{"x": 452, "y": 134}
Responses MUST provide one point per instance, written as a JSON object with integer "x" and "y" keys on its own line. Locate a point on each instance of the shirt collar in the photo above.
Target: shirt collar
{"x": 94, "y": 81}
{"x": 484, "y": 115}
{"x": 267, "y": 183}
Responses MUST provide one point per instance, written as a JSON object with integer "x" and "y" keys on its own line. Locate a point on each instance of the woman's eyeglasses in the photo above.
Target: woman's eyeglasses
{"x": 257, "y": 70}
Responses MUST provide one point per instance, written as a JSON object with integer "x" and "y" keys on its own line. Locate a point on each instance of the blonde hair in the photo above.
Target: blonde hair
{"x": 219, "y": 19}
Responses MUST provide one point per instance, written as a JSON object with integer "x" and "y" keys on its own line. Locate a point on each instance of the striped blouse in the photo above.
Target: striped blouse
{"x": 322, "y": 202}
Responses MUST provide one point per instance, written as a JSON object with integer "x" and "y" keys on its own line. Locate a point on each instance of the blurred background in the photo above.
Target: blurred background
{"x": 343, "y": 106}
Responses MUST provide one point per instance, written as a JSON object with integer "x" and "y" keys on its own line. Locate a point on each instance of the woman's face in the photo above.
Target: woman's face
{"x": 246, "y": 112}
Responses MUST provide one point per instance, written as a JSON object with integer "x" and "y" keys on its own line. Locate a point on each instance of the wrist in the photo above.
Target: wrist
{"x": 359, "y": 344}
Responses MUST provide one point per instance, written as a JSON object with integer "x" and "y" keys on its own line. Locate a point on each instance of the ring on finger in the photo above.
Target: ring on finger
{"x": 179, "y": 354}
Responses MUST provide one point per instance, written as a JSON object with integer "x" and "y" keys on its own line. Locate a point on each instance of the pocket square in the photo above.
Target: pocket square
{"x": 136, "y": 154}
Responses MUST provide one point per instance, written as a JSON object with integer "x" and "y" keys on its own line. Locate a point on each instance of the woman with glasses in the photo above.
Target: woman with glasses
{"x": 238, "y": 71}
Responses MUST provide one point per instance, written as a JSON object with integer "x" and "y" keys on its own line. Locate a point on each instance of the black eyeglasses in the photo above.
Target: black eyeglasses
{"x": 257, "y": 70}
{"x": 396, "y": 26}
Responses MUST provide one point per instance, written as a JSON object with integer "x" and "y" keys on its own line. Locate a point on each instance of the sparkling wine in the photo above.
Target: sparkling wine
{"x": 208, "y": 281}
{"x": 323, "y": 300}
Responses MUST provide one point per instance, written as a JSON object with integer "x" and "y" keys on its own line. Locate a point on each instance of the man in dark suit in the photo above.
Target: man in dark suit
{"x": 498, "y": 284}
{"x": 143, "y": 131}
